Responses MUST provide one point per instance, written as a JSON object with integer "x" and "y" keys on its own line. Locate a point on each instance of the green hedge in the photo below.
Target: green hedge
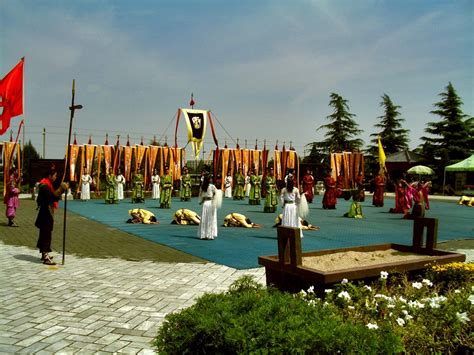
{"x": 252, "y": 319}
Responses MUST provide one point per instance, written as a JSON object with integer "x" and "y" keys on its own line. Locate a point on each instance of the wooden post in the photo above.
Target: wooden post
{"x": 419, "y": 225}
{"x": 289, "y": 246}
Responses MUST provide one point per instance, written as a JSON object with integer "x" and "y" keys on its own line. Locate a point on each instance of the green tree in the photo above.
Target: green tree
{"x": 29, "y": 154}
{"x": 394, "y": 137}
{"x": 342, "y": 130}
{"x": 452, "y": 137}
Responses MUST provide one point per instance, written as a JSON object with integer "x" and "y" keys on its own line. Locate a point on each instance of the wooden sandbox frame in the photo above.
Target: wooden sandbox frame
{"x": 286, "y": 272}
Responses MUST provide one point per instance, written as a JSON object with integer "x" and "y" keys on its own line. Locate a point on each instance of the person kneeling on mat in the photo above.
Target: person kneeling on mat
{"x": 140, "y": 215}
{"x": 303, "y": 224}
{"x": 183, "y": 216}
{"x": 239, "y": 220}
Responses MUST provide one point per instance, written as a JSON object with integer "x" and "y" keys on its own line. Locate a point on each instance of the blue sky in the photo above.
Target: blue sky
{"x": 264, "y": 68}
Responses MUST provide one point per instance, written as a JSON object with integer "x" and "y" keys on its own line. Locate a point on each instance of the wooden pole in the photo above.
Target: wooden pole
{"x": 66, "y": 176}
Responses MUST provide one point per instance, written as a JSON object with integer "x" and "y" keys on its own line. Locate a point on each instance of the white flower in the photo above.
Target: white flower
{"x": 457, "y": 291}
{"x": 311, "y": 289}
{"x": 417, "y": 285}
{"x": 328, "y": 290}
{"x": 401, "y": 299}
{"x": 303, "y": 293}
{"x": 351, "y": 307}
{"x": 463, "y": 318}
{"x": 345, "y": 295}
{"x": 408, "y": 317}
{"x": 471, "y": 299}
{"x": 427, "y": 282}
{"x": 435, "y": 301}
{"x": 372, "y": 326}
{"x": 387, "y": 298}
{"x": 344, "y": 281}
{"x": 368, "y": 287}
{"x": 416, "y": 304}
{"x": 383, "y": 275}
{"x": 400, "y": 322}
{"x": 391, "y": 306}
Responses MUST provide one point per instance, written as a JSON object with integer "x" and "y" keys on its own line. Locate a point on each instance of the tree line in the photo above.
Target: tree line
{"x": 448, "y": 140}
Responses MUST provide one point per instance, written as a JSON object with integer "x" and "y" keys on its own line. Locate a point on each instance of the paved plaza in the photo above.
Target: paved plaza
{"x": 97, "y": 303}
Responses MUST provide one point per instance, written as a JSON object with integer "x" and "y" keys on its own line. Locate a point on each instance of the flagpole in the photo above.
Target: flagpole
{"x": 66, "y": 176}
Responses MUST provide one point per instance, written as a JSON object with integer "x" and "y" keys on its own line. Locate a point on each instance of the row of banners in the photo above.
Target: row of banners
{"x": 147, "y": 158}
{"x": 89, "y": 157}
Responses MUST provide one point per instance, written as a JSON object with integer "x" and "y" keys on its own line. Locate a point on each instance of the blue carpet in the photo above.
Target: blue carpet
{"x": 240, "y": 247}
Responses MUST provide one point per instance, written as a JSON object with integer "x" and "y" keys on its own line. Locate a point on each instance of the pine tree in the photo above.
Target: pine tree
{"x": 342, "y": 130}
{"x": 29, "y": 153}
{"x": 394, "y": 137}
{"x": 453, "y": 135}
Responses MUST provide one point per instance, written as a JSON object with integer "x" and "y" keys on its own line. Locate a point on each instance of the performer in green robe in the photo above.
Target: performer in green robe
{"x": 239, "y": 192}
{"x": 138, "y": 194}
{"x": 185, "y": 188}
{"x": 255, "y": 188}
{"x": 271, "y": 200}
{"x": 166, "y": 182}
{"x": 111, "y": 187}
{"x": 355, "y": 210}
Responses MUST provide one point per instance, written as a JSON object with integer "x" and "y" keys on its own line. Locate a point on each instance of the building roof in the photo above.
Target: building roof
{"x": 404, "y": 156}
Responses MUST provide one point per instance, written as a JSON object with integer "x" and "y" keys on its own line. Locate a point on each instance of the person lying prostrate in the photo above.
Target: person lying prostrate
{"x": 303, "y": 224}
{"x": 183, "y": 216}
{"x": 239, "y": 220}
{"x": 140, "y": 215}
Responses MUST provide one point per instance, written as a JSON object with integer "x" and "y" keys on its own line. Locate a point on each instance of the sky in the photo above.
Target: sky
{"x": 264, "y": 68}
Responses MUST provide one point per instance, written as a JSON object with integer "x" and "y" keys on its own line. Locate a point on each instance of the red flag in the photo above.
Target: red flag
{"x": 11, "y": 94}
{"x": 192, "y": 103}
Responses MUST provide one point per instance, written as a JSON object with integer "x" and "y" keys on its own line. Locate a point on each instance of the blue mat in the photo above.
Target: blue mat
{"x": 240, "y": 247}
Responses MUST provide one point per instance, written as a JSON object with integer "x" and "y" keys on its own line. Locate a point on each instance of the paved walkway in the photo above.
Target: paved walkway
{"x": 96, "y": 305}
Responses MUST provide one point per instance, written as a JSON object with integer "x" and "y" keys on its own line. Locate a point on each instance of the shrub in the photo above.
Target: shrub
{"x": 249, "y": 318}
{"x": 392, "y": 315}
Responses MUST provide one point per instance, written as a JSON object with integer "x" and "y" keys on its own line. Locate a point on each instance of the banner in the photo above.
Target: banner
{"x": 127, "y": 161}
{"x": 74, "y": 149}
{"x": 11, "y": 94}
{"x": 277, "y": 165}
{"x": 139, "y": 154}
{"x": 196, "y": 124}
{"x": 152, "y": 154}
{"x": 382, "y": 158}
{"x": 245, "y": 161}
{"x": 89, "y": 151}
{"x": 8, "y": 150}
{"x": 108, "y": 151}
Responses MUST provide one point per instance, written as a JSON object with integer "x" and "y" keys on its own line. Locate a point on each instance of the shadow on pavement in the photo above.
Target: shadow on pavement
{"x": 29, "y": 258}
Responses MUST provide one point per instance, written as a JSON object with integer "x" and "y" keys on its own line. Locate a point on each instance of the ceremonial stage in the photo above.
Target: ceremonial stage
{"x": 240, "y": 247}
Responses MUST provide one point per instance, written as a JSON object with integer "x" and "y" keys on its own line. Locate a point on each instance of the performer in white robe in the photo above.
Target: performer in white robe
{"x": 120, "y": 184}
{"x": 86, "y": 181}
{"x": 211, "y": 198}
{"x": 155, "y": 181}
{"x": 294, "y": 205}
{"x": 228, "y": 186}
{"x": 247, "y": 185}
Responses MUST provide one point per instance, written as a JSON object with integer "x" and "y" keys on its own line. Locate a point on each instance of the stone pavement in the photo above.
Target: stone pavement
{"x": 96, "y": 305}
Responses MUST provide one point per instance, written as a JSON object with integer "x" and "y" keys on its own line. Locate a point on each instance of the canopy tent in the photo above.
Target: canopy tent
{"x": 465, "y": 165}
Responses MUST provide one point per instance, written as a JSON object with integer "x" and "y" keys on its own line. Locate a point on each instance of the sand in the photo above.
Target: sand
{"x": 356, "y": 259}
